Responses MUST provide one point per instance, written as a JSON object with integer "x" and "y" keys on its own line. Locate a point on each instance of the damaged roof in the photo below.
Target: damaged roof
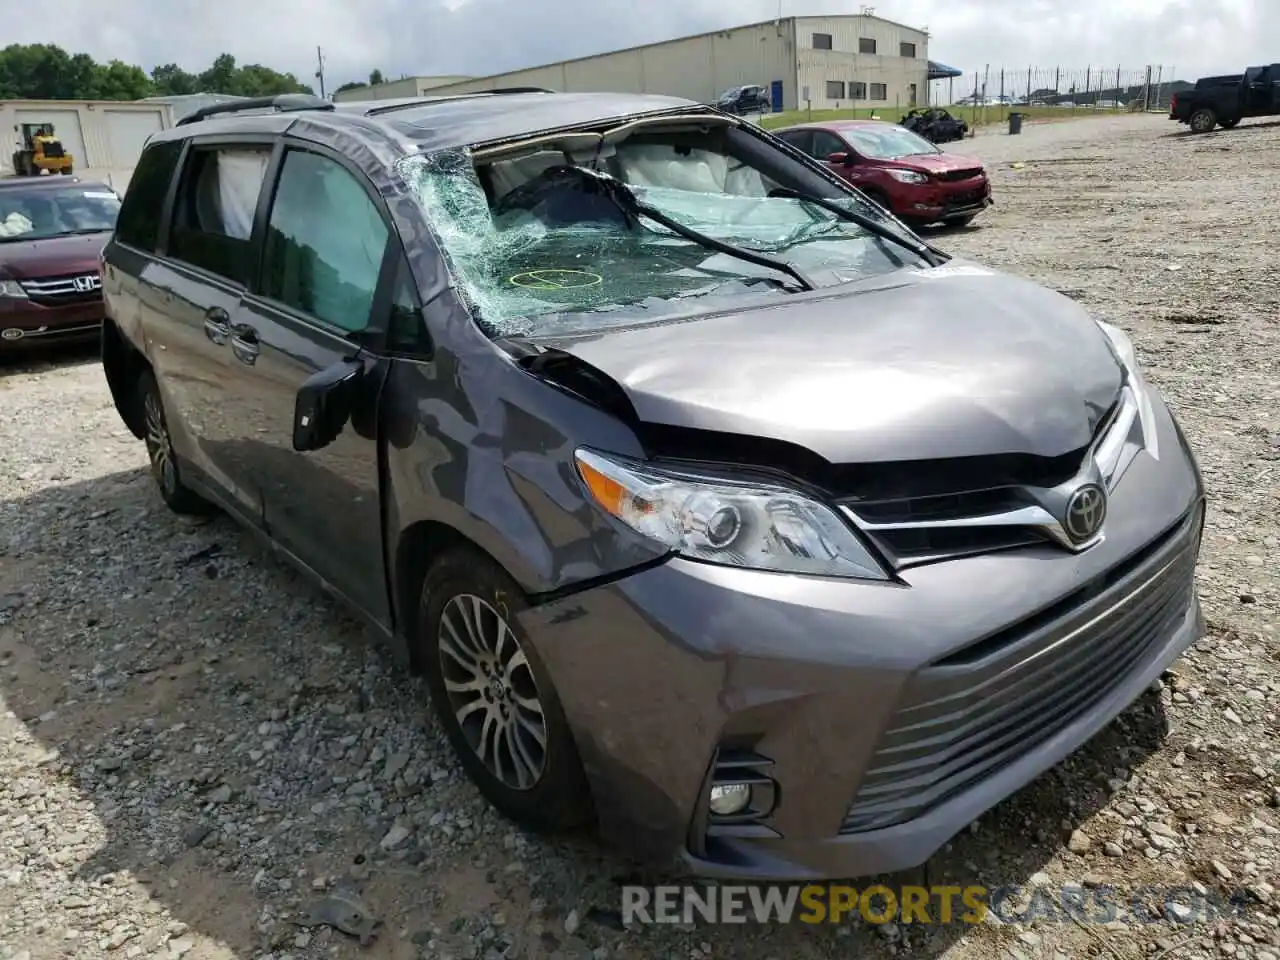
{"x": 467, "y": 119}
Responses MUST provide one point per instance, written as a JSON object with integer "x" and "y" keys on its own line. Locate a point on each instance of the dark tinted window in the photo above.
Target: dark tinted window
{"x": 825, "y": 144}
{"x": 907, "y": 49}
{"x": 879, "y": 91}
{"x": 835, "y": 89}
{"x": 214, "y": 208}
{"x": 866, "y": 45}
{"x": 800, "y": 139}
{"x": 822, "y": 41}
{"x": 138, "y": 224}
{"x": 325, "y": 242}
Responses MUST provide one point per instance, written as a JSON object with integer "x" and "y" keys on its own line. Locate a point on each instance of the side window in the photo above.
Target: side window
{"x": 802, "y": 140}
{"x": 825, "y": 144}
{"x": 325, "y": 243}
{"x": 138, "y": 223}
{"x": 213, "y": 211}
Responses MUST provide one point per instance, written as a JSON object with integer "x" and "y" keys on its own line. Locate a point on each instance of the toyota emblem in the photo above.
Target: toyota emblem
{"x": 1086, "y": 510}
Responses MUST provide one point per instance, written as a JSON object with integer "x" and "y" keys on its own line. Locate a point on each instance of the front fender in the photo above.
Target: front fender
{"x": 479, "y": 445}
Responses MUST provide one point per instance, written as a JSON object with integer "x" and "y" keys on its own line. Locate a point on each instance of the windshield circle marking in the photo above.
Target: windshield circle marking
{"x": 556, "y": 279}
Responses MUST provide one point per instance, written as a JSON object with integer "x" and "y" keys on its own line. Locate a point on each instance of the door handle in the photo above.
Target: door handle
{"x": 217, "y": 325}
{"x": 244, "y": 343}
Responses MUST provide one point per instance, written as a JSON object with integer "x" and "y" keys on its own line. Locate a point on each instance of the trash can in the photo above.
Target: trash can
{"x": 1015, "y": 124}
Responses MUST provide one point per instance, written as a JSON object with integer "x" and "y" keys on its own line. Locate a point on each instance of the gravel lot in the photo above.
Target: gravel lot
{"x": 196, "y": 745}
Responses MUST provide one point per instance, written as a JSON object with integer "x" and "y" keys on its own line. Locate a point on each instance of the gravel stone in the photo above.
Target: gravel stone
{"x": 191, "y": 734}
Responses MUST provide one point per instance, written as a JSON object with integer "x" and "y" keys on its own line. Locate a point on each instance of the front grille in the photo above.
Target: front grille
{"x": 951, "y": 176}
{"x": 56, "y": 291}
{"x": 963, "y": 718}
{"x": 965, "y": 199}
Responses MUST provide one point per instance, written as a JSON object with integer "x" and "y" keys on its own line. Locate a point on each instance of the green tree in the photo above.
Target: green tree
{"x": 353, "y": 85}
{"x": 170, "y": 80}
{"x": 375, "y": 77}
{"x": 119, "y": 81}
{"x": 41, "y": 71}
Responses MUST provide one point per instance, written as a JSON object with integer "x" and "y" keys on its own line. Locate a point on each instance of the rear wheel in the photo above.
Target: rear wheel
{"x": 1203, "y": 120}
{"x": 177, "y": 496}
{"x": 495, "y": 699}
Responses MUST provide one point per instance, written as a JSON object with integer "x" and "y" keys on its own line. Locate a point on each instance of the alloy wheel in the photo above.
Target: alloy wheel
{"x": 159, "y": 449}
{"x": 492, "y": 691}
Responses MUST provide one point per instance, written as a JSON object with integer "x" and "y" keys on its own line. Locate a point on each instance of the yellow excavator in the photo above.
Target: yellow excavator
{"x": 41, "y": 150}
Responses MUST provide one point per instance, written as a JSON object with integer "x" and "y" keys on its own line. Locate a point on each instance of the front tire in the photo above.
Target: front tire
{"x": 177, "y": 496}
{"x": 495, "y": 699}
{"x": 1203, "y": 120}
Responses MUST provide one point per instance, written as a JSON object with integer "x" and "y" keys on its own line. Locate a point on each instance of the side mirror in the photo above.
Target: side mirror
{"x": 324, "y": 403}
{"x": 839, "y": 159}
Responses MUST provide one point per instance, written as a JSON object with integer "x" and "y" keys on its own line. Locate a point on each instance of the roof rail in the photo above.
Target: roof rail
{"x": 281, "y": 103}
{"x": 427, "y": 98}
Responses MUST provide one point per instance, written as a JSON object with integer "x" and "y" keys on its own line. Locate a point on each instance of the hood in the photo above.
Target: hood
{"x": 52, "y": 256}
{"x": 954, "y": 361}
{"x": 937, "y": 162}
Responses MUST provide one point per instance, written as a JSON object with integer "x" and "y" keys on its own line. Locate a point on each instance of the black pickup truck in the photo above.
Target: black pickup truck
{"x": 1225, "y": 101}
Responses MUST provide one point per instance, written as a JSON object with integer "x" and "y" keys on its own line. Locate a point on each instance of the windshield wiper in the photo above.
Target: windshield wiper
{"x": 630, "y": 204}
{"x": 924, "y": 251}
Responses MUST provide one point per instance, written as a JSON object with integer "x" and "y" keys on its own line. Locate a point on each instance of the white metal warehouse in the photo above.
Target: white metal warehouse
{"x": 820, "y": 62}
{"x": 97, "y": 133}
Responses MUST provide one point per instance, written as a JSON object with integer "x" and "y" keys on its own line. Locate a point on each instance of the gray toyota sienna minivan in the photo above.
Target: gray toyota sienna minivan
{"x": 717, "y": 507}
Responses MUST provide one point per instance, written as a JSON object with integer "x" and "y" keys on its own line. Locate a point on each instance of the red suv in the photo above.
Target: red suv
{"x": 898, "y": 169}
{"x": 52, "y": 231}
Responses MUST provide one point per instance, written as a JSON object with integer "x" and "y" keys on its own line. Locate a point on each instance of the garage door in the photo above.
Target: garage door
{"x": 66, "y": 124}
{"x": 127, "y": 131}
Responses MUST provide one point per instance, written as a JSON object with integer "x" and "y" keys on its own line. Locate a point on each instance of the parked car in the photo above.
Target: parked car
{"x": 52, "y": 231}
{"x": 935, "y": 125}
{"x": 900, "y": 170}
{"x": 1224, "y": 101}
{"x": 752, "y": 98}
{"x": 715, "y": 506}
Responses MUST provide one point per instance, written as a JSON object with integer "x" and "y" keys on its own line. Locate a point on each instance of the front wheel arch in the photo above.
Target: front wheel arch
{"x": 417, "y": 549}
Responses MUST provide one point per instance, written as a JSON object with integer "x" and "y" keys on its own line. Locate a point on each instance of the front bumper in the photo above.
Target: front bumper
{"x": 27, "y": 324}
{"x": 949, "y": 201}
{"x": 888, "y": 728}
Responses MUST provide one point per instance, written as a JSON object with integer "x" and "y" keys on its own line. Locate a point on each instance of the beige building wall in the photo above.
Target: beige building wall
{"x": 848, "y": 74}
{"x": 395, "y": 89}
{"x": 696, "y": 68}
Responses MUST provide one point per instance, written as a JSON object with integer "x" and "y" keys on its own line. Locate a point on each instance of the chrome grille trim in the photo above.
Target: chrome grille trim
{"x": 78, "y": 285}
{"x": 1019, "y": 517}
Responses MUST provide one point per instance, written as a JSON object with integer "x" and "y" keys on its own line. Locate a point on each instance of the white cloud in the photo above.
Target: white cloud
{"x": 487, "y": 36}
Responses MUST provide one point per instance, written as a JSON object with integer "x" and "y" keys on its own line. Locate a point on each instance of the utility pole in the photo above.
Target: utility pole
{"x": 320, "y": 70}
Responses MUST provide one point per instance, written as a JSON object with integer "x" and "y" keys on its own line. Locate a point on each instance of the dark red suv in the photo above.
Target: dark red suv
{"x": 52, "y": 231}
{"x": 900, "y": 170}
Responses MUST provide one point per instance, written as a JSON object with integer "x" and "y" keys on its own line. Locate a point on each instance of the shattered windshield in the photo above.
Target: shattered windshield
{"x": 536, "y": 253}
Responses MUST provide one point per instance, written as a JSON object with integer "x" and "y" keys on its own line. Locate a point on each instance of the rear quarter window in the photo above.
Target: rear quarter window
{"x": 138, "y": 224}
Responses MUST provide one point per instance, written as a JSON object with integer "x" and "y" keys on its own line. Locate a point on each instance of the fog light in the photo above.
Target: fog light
{"x": 728, "y": 799}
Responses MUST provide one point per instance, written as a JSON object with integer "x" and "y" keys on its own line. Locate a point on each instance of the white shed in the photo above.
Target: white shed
{"x": 99, "y": 134}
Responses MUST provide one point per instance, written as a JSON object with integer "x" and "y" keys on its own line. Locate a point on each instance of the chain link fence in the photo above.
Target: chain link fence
{"x": 989, "y": 92}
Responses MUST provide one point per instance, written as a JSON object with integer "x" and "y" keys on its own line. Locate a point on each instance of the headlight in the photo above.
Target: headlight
{"x": 12, "y": 289}
{"x": 908, "y": 176}
{"x": 1146, "y": 416}
{"x": 755, "y": 526}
